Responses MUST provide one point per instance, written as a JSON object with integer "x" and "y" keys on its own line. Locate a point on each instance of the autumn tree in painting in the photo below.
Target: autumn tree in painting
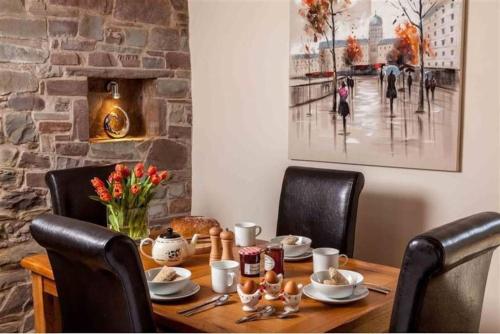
{"x": 415, "y": 12}
{"x": 321, "y": 17}
{"x": 353, "y": 52}
{"x": 406, "y": 48}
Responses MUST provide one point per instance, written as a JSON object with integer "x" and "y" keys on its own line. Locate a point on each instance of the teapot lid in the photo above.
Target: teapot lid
{"x": 170, "y": 234}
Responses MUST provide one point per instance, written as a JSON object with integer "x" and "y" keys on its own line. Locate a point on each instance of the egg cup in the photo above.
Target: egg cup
{"x": 272, "y": 290}
{"x": 292, "y": 301}
{"x": 249, "y": 301}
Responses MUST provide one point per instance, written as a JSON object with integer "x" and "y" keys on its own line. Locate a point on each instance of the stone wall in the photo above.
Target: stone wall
{"x": 48, "y": 49}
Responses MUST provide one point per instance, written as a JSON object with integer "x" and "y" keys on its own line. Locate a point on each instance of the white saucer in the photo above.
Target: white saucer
{"x": 188, "y": 291}
{"x": 359, "y": 293}
{"x": 308, "y": 254}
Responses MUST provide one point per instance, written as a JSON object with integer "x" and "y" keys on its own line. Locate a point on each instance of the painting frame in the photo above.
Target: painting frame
{"x": 460, "y": 112}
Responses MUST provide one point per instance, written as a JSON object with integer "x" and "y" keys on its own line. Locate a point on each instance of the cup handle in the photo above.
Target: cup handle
{"x": 346, "y": 259}
{"x": 143, "y": 242}
{"x": 258, "y": 230}
{"x": 231, "y": 279}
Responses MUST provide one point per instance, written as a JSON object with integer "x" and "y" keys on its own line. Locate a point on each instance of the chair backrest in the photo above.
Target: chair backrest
{"x": 443, "y": 276}
{"x": 70, "y": 190}
{"x": 320, "y": 204}
{"x": 99, "y": 276}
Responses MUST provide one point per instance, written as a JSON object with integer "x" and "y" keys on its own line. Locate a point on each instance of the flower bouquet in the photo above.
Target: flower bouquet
{"x": 126, "y": 195}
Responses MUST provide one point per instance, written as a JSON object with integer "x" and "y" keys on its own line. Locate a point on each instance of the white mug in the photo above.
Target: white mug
{"x": 246, "y": 233}
{"x": 324, "y": 258}
{"x": 225, "y": 276}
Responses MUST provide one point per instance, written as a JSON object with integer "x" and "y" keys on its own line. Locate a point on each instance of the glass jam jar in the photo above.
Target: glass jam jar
{"x": 273, "y": 259}
{"x": 250, "y": 261}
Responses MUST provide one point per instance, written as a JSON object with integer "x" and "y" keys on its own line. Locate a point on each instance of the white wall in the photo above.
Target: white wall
{"x": 240, "y": 95}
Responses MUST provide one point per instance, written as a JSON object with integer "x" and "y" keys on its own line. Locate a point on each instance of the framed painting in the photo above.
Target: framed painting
{"x": 377, "y": 82}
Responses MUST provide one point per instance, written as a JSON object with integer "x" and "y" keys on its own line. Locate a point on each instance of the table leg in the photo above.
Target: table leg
{"x": 38, "y": 303}
{"x": 46, "y": 307}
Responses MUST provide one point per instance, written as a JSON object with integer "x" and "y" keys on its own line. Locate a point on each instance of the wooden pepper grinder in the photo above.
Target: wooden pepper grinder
{"x": 227, "y": 238}
{"x": 216, "y": 249}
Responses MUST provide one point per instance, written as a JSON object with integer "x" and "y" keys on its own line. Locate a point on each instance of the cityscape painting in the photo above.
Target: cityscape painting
{"x": 377, "y": 82}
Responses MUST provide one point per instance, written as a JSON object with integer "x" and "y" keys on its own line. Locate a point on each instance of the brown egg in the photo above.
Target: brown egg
{"x": 249, "y": 287}
{"x": 271, "y": 277}
{"x": 291, "y": 288}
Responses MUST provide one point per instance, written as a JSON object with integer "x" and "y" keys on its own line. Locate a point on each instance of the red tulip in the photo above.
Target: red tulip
{"x": 117, "y": 176}
{"x": 164, "y": 175}
{"x": 101, "y": 190}
{"x": 152, "y": 170}
{"x": 104, "y": 194}
{"x": 135, "y": 189}
{"x": 139, "y": 170}
{"x": 117, "y": 190}
{"x": 122, "y": 169}
{"x": 155, "y": 179}
{"x": 106, "y": 197}
{"x": 97, "y": 182}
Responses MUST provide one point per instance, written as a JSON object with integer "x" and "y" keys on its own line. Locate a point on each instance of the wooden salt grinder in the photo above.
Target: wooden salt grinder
{"x": 216, "y": 248}
{"x": 227, "y": 239}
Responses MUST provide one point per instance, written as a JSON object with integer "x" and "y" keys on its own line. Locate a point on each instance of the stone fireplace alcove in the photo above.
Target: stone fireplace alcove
{"x": 55, "y": 56}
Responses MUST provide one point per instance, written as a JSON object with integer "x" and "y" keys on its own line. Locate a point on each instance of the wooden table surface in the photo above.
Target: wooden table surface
{"x": 371, "y": 314}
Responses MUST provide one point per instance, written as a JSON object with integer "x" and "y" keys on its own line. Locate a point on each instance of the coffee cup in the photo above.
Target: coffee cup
{"x": 324, "y": 258}
{"x": 246, "y": 233}
{"x": 225, "y": 276}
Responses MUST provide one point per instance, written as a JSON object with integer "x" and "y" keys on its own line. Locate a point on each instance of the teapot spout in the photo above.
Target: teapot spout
{"x": 192, "y": 245}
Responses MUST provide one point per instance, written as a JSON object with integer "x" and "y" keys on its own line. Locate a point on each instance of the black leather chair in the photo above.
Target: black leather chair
{"x": 70, "y": 190}
{"x": 99, "y": 277}
{"x": 443, "y": 276}
{"x": 320, "y": 204}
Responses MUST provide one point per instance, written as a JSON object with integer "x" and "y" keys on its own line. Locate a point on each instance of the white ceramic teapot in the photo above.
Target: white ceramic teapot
{"x": 170, "y": 248}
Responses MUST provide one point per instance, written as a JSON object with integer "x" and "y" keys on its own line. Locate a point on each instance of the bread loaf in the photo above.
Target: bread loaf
{"x": 190, "y": 225}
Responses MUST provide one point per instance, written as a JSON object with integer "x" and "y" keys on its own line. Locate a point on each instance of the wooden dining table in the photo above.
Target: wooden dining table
{"x": 371, "y": 314}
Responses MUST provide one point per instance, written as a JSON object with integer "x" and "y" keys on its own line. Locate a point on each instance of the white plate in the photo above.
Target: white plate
{"x": 308, "y": 254}
{"x": 188, "y": 291}
{"x": 359, "y": 293}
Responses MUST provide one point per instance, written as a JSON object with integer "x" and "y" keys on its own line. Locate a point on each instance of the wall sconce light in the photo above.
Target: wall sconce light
{"x": 112, "y": 87}
{"x": 116, "y": 122}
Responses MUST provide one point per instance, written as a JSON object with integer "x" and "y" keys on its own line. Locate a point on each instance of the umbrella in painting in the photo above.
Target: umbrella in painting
{"x": 391, "y": 68}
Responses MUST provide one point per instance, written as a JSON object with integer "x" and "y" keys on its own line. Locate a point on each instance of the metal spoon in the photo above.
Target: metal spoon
{"x": 266, "y": 311}
{"x": 221, "y": 301}
{"x": 285, "y": 314}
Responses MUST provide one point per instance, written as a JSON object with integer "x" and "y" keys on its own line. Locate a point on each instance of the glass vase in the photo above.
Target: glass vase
{"x": 130, "y": 221}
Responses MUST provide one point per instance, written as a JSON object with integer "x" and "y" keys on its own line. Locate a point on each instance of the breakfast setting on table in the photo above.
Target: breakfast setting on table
{"x": 196, "y": 274}
{"x": 193, "y": 273}
{"x": 248, "y": 271}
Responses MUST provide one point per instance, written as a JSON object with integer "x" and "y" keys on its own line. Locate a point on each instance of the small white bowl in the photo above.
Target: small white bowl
{"x": 336, "y": 291}
{"x": 168, "y": 288}
{"x": 293, "y": 250}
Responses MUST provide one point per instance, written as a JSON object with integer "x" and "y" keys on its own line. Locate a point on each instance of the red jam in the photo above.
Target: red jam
{"x": 250, "y": 261}
{"x": 273, "y": 259}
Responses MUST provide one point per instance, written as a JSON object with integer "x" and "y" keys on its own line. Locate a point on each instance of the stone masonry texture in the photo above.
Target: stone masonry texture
{"x": 48, "y": 50}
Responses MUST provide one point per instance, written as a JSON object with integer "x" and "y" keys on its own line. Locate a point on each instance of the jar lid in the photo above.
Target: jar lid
{"x": 250, "y": 251}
